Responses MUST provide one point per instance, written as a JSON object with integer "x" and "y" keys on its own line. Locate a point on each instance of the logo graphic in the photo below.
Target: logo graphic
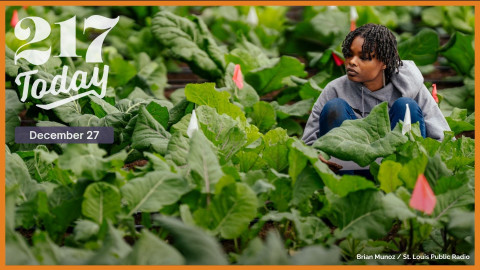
{"x": 62, "y": 83}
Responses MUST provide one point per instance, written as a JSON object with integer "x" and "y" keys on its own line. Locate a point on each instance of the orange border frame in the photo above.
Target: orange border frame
{"x": 3, "y": 4}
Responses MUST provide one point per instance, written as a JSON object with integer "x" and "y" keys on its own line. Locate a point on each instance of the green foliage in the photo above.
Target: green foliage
{"x": 363, "y": 140}
{"x": 189, "y": 41}
{"x": 460, "y": 52}
{"x": 422, "y": 48}
{"x": 245, "y": 190}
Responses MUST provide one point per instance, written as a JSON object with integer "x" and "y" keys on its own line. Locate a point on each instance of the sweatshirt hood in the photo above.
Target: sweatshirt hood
{"x": 409, "y": 79}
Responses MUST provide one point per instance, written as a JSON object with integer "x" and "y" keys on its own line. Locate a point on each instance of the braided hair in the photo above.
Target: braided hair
{"x": 377, "y": 39}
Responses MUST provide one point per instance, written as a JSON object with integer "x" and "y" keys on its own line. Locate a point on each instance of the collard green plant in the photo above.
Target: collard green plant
{"x": 241, "y": 189}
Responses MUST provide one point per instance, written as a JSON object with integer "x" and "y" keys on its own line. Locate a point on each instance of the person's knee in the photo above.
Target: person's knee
{"x": 400, "y": 103}
{"x": 335, "y": 106}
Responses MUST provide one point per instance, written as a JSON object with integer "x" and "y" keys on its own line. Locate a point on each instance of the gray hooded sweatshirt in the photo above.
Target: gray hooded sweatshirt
{"x": 407, "y": 83}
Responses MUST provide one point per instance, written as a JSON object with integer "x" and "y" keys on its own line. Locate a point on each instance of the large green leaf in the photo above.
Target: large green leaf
{"x": 48, "y": 253}
{"x": 178, "y": 148}
{"x": 276, "y": 148}
{"x": 85, "y": 229}
{"x": 153, "y": 191}
{"x": 247, "y": 96}
{"x": 458, "y": 153}
{"x": 248, "y": 56}
{"x": 101, "y": 107}
{"x": 297, "y": 159}
{"x": 149, "y": 133}
{"x": 359, "y": 214}
{"x": 433, "y": 16}
{"x": 309, "y": 229}
{"x": 263, "y": 115}
{"x": 459, "y": 122}
{"x": 460, "y": 52}
{"x": 122, "y": 71}
{"x": 16, "y": 174}
{"x": 282, "y": 194}
{"x": 86, "y": 160}
{"x": 222, "y": 131}
{"x": 362, "y": 140}
{"x": 460, "y": 18}
{"x": 249, "y": 161}
{"x": 310, "y": 89}
{"x": 114, "y": 249}
{"x": 271, "y": 252}
{"x": 346, "y": 184}
{"x": 190, "y": 42}
{"x": 458, "y": 97}
{"x": 101, "y": 201}
{"x": 394, "y": 207}
{"x": 277, "y": 75}
{"x": 453, "y": 199}
{"x": 230, "y": 212}
{"x": 153, "y": 72}
{"x": 13, "y": 107}
{"x": 194, "y": 244}
{"x": 422, "y": 48}
{"x": 411, "y": 170}
{"x": 159, "y": 112}
{"x": 204, "y": 162}
{"x": 305, "y": 185}
{"x": 462, "y": 224}
{"x": 17, "y": 251}
{"x": 205, "y": 94}
{"x": 325, "y": 28}
{"x": 43, "y": 164}
{"x": 298, "y": 109}
{"x": 388, "y": 176}
{"x": 151, "y": 250}
{"x": 64, "y": 205}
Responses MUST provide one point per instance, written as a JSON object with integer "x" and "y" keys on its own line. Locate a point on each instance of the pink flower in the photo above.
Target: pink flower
{"x": 14, "y": 20}
{"x": 238, "y": 77}
{"x": 338, "y": 61}
{"x": 434, "y": 92}
{"x": 423, "y": 198}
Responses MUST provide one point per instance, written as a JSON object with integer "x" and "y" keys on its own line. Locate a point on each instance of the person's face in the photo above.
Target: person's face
{"x": 363, "y": 70}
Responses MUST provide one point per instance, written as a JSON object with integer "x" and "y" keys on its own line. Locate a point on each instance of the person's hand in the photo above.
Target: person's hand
{"x": 332, "y": 165}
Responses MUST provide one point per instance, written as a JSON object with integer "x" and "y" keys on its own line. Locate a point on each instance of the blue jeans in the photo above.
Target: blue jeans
{"x": 338, "y": 110}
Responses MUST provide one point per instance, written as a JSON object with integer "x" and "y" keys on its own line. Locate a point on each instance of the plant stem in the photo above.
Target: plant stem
{"x": 236, "y": 245}
{"x": 445, "y": 239}
{"x": 285, "y": 231}
{"x": 410, "y": 244}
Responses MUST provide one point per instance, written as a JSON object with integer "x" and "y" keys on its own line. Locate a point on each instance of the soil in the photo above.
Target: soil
{"x": 228, "y": 246}
{"x": 177, "y": 80}
{"x": 270, "y": 225}
{"x": 137, "y": 163}
{"x": 438, "y": 77}
{"x": 27, "y": 234}
{"x": 469, "y": 134}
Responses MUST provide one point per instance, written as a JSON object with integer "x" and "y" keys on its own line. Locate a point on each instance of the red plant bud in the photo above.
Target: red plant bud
{"x": 434, "y": 92}
{"x": 353, "y": 25}
{"x": 14, "y": 20}
{"x": 338, "y": 61}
